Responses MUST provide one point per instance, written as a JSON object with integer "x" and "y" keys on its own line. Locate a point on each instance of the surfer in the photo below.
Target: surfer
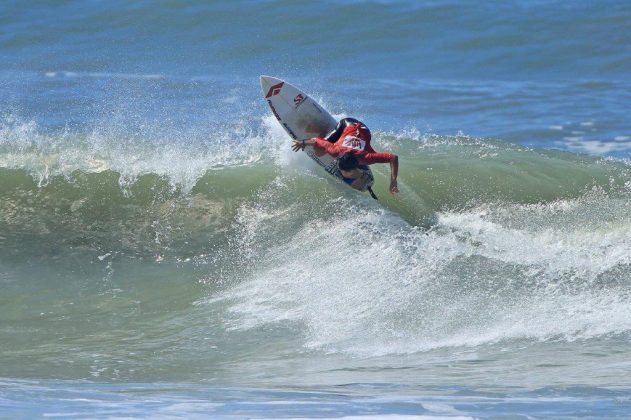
{"x": 349, "y": 142}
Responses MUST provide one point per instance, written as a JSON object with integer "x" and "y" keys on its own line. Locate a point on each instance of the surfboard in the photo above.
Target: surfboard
{"x": 302, "y": 118}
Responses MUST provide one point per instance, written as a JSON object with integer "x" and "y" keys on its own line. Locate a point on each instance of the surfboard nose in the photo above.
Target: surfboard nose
{"x": 267, "y": 82}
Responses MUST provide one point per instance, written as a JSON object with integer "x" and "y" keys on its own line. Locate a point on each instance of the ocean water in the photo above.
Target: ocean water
{"x": 163, "y": 253}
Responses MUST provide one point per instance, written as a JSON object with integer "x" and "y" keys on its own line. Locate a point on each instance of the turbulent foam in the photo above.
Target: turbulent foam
{"x": 363, "y": 282}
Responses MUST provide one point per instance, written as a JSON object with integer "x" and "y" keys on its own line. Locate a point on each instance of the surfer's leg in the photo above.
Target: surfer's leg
{"x": 334, "y": 135}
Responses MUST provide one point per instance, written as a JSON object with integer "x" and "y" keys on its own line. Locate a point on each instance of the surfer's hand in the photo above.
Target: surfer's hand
{"x": 393, "y": 186}
{"x": 298, "y": 145}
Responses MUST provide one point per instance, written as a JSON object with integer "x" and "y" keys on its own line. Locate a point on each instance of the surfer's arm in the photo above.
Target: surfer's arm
{"x": 394, "y": 172}
{"x": 392, "y": 159}
{"x": 300, "y": 144}
{"x": 323, "y": 146}
{"x": 320, "y": 146}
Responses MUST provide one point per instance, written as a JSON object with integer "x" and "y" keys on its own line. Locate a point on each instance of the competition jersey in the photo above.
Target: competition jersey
{"x": 365, "y": 155}
{"x": 355, "y": 139}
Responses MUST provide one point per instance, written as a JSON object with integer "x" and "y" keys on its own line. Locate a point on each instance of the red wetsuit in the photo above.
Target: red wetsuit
{"x": 354, "y": 139}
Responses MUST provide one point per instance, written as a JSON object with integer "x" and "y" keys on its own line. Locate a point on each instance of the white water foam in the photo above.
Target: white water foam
{"x": 23, "y": 145}
{"x": 364, "y": 282}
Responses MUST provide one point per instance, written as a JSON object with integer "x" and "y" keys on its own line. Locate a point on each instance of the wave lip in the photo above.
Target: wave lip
{"x": 148, "y": 151}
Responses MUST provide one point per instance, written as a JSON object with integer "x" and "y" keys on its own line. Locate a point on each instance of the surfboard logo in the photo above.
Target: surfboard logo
{"x": 274, "y": 90}
{"x": 298, "y": 99}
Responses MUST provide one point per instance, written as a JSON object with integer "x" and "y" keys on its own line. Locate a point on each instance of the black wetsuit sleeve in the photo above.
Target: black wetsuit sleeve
{"x": 334, "y": 135}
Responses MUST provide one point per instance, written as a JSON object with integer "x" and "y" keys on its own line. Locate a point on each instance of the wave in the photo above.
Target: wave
{"x": 487, "y": 242}
{"x": 105, "y": 189}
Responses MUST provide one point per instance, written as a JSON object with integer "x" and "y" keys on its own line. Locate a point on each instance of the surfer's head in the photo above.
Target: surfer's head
{"x": 347, "y": 162}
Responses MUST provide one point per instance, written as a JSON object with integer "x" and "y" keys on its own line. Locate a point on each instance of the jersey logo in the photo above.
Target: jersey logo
{"x": 274, "y": 90}
{"x": 354, "y": 143}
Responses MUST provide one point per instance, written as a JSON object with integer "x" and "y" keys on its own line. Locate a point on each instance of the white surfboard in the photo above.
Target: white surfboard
{"x": 302, "y": 118}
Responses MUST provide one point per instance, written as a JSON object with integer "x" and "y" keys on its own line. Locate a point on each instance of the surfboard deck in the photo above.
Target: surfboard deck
{"x": 302, "y": 118}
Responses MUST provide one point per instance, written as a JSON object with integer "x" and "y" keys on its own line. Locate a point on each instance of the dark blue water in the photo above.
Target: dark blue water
{"x": 162, "y": 252}
{"x": 517, "y": 71}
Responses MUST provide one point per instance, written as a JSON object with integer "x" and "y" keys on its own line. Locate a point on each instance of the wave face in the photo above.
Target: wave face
{"x": 144, "y": 196}
{"x": 489, "y": 244}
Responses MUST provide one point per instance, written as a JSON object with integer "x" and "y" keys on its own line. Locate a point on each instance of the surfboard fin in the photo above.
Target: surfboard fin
{"x": 372, "y": 194}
